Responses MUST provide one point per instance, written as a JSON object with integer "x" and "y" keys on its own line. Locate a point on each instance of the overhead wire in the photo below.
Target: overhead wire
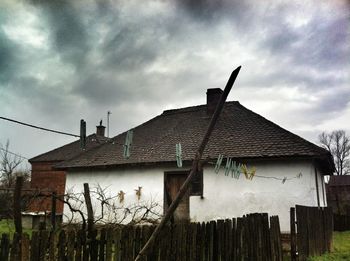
{"x": 15, "y": 154}
{"x": 40, "y": 128}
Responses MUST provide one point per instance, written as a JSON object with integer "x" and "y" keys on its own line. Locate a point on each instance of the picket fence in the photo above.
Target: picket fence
{"x": 252, "y": 237}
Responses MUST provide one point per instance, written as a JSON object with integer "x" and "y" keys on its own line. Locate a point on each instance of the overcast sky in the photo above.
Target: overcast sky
{"x": 70, "y": 60}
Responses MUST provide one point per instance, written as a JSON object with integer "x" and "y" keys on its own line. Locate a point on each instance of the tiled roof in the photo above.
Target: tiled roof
{"x": 335, "y": 181}
{"x": 70, "y": 150}
{"x": 239, "y": 133}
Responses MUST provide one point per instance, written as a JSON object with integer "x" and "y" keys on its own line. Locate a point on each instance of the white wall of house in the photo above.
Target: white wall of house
{"x": 224, "y": 197}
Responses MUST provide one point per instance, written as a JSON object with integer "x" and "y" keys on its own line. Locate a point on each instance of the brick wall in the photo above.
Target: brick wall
{"x": 44, "y": 177}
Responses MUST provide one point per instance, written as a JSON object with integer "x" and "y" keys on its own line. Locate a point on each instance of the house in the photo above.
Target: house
{"x": 338, "y": 194}
{"x": 283, "y": 169}
{"x": 46, "y": 179}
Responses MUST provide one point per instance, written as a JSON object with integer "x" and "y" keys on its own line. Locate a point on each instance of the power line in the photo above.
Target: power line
{"x": 40, "y": 128}
{"x": 13, "y": 153}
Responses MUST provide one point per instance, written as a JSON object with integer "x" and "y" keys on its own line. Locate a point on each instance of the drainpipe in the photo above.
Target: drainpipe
{"x": 317, "y": 192}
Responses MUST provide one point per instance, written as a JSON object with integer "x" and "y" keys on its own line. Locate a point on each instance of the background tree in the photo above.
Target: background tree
{"x": 338, "y": 143}
{"x": 9, "y": 170}
{"x": 9, "y": 163}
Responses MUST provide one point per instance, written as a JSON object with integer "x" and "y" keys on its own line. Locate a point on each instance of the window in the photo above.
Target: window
{"x": 197, "y": 184}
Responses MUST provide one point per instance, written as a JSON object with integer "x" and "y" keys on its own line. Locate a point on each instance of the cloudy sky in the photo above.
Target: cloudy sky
{"x": 70, "y": 60}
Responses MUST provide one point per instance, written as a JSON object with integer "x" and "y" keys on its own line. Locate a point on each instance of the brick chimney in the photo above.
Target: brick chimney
{"x": 213, "y": 97}
{"x": 100, "y": 130}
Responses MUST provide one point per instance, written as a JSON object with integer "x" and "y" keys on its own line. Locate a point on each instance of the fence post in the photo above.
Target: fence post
{"x": 293, "y": 245}
{"x": 17, "y": 205}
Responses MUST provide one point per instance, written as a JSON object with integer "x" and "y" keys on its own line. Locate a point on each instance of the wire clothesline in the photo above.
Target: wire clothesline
{"x": 229, "y": 160}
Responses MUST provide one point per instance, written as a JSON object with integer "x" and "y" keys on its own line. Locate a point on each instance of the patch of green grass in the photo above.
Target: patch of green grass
{"x": 341, "y": 248}
{"x": 8, "y": 227}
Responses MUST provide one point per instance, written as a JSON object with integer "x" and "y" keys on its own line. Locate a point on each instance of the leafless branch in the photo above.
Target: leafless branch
{"x": 338, "y": 144}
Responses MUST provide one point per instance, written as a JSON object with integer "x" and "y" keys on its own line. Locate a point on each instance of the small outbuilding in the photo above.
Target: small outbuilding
{"x": 45, "y": 179}
{"x": 338, "y": 194}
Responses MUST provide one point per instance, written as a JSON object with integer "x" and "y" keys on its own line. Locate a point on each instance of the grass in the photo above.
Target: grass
{"x": 8, "y": 227}
{"x": 341, "y": 248}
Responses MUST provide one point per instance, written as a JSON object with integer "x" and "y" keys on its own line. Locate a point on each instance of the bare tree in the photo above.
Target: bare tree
{"x": 8, "y": 166}
{"x": 107, "y": 208}
{"x": 338, "y": 144}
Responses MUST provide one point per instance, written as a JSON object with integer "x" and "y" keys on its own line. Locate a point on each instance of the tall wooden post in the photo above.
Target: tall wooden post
{"x": 194, "y": 167}
{"x": 90, "y": 212}
{"x": 293, "y": 240}
{"x": 17, "y": 205}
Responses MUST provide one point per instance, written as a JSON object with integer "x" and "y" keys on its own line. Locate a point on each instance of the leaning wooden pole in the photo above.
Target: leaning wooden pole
{"x": 90, "y": 212}
{"x": 17, "y": 205}
{"x": 194, "y": 167}
{"x": 53, "y": 210}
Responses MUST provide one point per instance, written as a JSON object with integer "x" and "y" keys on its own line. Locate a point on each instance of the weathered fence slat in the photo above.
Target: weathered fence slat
{"x": 102, "y": 245}
{"x": 25, "y": 247}
{"x": 117, "y": 246}
{"x": 341, "y": 222}
{"x": 93, "y": 246}
{"x": 239, "y": 239}
{"x": 52, "y": 246}
{"x": 275, "y": 235}
{"x": 61, "y": 246}
{"x": 234, "y": 240}
{"x": 71, "y": 236}
{"x": 5, "y": 247}
{"x": 15, "y": 253}
{"x": 34, "y": 246}
{"x": 109, "y": 244}
{"x": 44, "y": 243}
{"x": 78, "y": 245}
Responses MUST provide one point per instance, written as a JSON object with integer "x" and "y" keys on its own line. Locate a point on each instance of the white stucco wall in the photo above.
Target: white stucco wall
{"x": 224, "y": 197}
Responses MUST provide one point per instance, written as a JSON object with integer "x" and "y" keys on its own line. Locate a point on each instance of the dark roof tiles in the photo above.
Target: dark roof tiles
{"x": 70, "y": 150}
{"x": 239, "y": 133}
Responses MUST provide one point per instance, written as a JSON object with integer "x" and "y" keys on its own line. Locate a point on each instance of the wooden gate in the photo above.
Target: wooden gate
{"x": 311, "y": 231}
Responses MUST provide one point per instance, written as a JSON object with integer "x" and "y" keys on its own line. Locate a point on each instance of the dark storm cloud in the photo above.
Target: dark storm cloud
{"x": 47, "y": 97}
{"x": 335, "y": 100}
{"x": 319, "y": 44}
{"x": 326, "y": 45}
{"x": 280, "y": 38}
{"x": 290, "y": 76}
{"x": 214, "y": 10}
{"x": 7, "y": 58}
{"x": 130, "y": 49}
{"x": 69, "y": 35}
{"x": 138, "y": 61}
{"x": 203, "y": 9}
{"x": 329, "y": 105}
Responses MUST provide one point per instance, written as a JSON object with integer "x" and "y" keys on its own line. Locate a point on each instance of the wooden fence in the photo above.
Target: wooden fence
{"x": 252, "y": 237}
{"x": 341, "y": 222}
{"x": 314, "y": 231}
